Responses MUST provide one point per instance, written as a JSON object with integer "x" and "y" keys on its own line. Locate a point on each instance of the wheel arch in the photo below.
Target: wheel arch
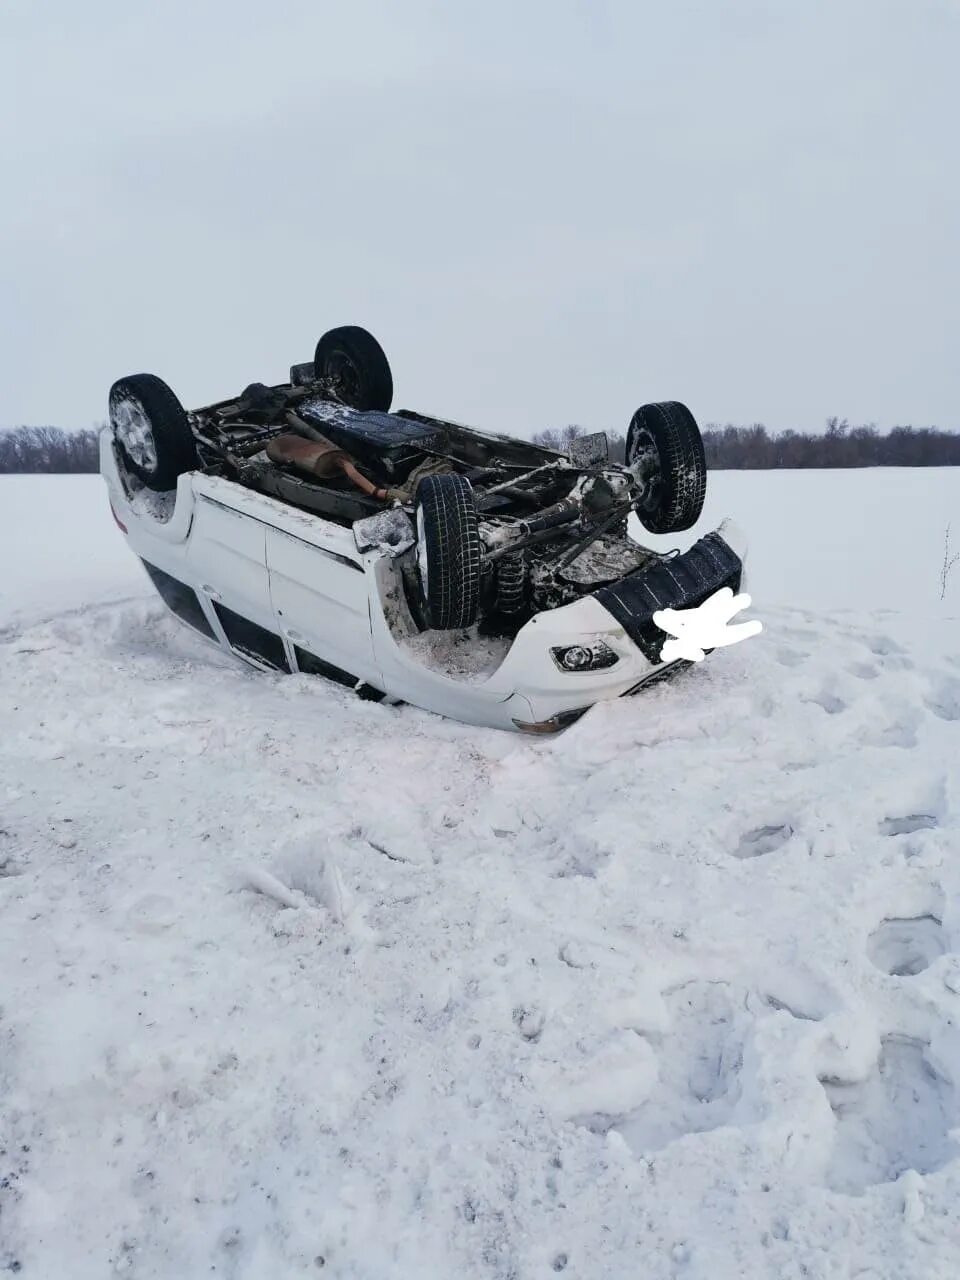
{"x": 123, "y": 492}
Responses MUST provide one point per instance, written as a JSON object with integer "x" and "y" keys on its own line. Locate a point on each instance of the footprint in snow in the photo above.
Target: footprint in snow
{"x": 864, "y": 671}
{"x": 898, "y": 733}
{"x": 529, "y": 1022}
{"x": 699, "y": 1084}
{"x": 796, "y": 992}
{"x": 152, "y": 913}
{"x": 944, "y": 700}
{"x": 909, "y": 823}
{"x": 781, "y": 1006}
{"x": 789, "y": 657}
{"x": 884, "y": 646}
{"x": 899, "y": 1118}
{"x": 828, "y": 701}
{"x": 905, "y": 947}
{"x": 763, "y": 840}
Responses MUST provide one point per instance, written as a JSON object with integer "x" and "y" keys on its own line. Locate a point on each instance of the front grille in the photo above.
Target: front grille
{"x": 680, "y": 583}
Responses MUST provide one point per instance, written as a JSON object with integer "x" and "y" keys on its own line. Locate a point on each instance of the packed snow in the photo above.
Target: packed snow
{"x": 295, "y": 984}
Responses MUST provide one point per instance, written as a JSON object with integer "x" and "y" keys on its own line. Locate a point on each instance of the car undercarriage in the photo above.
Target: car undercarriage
{"x": 552, "y": 526}
{"x": 499, "y": 528}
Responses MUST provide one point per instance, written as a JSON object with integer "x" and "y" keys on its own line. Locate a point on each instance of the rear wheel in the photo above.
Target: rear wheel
{"x": 151, "y": 430}
{"x": 448, "y": 551}
{"x": 354, "y": 362}
{"x": 664, "y": 442}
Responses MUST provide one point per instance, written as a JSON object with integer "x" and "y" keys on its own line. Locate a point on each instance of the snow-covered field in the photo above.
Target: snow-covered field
{"x": 292, "y": 984}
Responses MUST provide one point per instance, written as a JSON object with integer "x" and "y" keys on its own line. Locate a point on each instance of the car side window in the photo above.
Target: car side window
{"x": 248, "y": 638}
{"x": 180, "y": 599}
{"x": 311, "y": 665}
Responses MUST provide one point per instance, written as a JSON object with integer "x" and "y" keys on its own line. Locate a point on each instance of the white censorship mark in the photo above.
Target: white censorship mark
{"x": 705, "y": 626}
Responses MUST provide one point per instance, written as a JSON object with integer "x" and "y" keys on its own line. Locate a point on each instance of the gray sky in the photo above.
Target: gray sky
{"x": 548, "y": 211}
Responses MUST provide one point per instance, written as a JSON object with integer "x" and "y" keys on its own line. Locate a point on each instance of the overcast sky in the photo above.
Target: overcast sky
{"x": 548, "y": 211}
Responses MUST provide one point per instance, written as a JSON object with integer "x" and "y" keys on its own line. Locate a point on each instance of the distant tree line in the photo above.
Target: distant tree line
{"x": 732, "y": 448}
{"x": 729, "y": 448}
{"x": 738, "y": 448}
{"x": 48, "y": 450}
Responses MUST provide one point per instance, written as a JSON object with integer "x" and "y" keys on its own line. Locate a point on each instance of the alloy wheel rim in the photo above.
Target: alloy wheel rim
{"x": 646, "y": 453}
{"x": 133, "y": 431}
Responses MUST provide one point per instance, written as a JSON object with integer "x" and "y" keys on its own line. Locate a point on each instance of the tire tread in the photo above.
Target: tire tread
{"x": 453, "y": 550}
{"x": 367, "y": 355}
{"x": 682, "y": 461}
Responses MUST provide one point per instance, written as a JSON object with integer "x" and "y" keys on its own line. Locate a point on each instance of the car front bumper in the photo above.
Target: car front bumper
{"x": 621, "y": 617}
{"x": 679, "y": 583}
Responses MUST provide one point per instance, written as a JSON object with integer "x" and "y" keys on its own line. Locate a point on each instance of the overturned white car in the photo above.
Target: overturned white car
{"x": 304, "y": 527}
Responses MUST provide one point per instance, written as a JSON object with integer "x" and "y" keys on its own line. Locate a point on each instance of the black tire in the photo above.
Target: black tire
{"x": 667, "y": 440}
{"x": 357, "y": 363}
{"x": 448, "y": 551}
{"x": 151, "y": 430}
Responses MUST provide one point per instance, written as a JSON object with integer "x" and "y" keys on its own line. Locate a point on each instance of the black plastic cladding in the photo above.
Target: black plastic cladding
{"x": 679, "y": 583}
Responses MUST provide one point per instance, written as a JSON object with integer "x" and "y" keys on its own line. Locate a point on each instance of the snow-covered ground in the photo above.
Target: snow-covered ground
{"x": 292, "y": 984}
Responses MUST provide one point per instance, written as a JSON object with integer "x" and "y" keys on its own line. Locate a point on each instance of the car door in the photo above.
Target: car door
{"x": 227, "y": 558}
{"x": 320, "y": 595}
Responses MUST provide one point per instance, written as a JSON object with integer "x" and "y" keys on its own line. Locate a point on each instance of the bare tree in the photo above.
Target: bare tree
{"x": 48, "y": 450}
{"x": 948, "y": 563}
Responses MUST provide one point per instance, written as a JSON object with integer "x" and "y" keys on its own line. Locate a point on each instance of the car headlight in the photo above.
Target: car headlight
{"x": 584, "y": 657}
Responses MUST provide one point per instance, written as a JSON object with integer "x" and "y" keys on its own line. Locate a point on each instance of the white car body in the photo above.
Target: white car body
{"x": 322, "y": 601}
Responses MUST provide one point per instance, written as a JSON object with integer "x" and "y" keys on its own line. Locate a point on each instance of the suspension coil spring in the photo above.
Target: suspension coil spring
{"x": 511, "y": 584}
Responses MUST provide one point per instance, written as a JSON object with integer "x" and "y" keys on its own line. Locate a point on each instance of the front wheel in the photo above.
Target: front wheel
{"x": 665, "y": 447}
{"x": 448, "y": 551}
{"x": 151, "y": 431}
